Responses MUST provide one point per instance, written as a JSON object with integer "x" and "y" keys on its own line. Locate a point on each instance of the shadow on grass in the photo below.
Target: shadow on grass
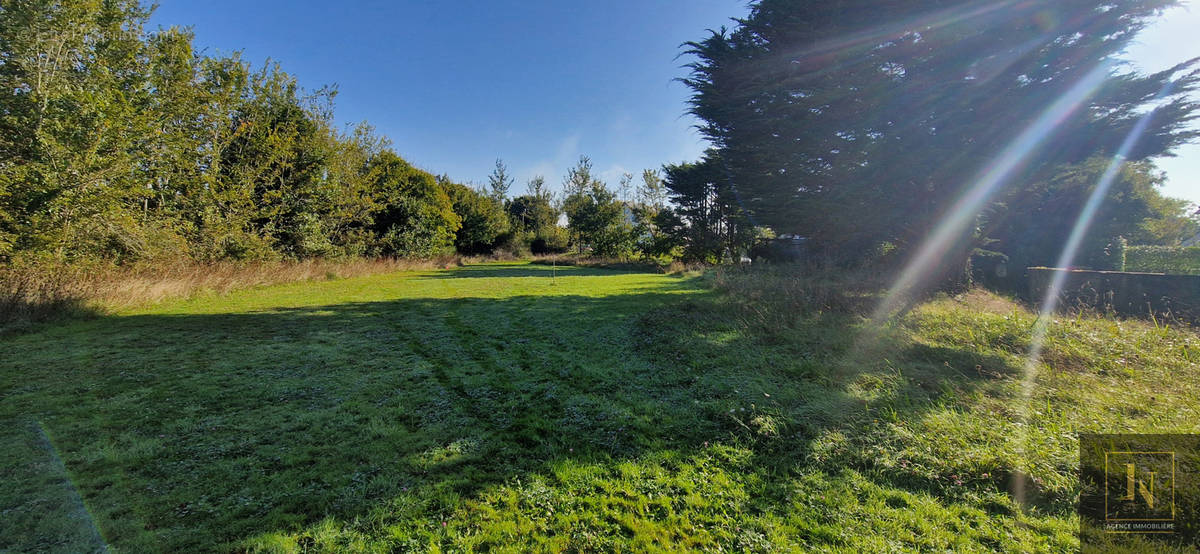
{"x": 184, "y": 432}
{"x": 19, "y": 313}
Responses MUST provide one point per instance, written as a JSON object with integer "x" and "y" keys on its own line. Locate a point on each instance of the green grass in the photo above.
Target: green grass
{"x": 497, "y": 407}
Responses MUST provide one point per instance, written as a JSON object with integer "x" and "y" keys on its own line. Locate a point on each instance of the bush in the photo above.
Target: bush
{"x": 551, "y": 240}
{"x": 1183, "y": 260}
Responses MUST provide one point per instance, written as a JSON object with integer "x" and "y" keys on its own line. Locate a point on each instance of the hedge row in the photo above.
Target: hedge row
{"x": 1183, "y": 260}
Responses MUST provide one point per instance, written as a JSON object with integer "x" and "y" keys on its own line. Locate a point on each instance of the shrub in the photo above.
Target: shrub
{"x": 1183, "y": 260}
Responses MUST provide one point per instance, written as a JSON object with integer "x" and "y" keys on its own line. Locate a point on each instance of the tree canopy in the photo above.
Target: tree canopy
{"x": 857, "y": 123}
{"x": 122, "y": 144}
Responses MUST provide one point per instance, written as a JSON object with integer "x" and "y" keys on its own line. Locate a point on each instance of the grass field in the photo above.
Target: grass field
{"x": 520, "y": 407}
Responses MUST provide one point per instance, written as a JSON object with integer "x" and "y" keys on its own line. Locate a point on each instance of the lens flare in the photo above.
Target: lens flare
{"x": 991, "y": 179}
{"x": 1070, "y": 250}
{"x": 79, "y": 514}
{"x": 930, "y": 21}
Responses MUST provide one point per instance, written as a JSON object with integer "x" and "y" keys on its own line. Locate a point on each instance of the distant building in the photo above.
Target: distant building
{"x": 1193, "y": 241}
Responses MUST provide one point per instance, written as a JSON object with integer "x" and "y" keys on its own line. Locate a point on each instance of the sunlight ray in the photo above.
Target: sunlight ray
{"x": 1079, "y": 230}
{"x": 81, "y": 512}
{"x": 926, "y": 22}
{"x": 990, "y": 180}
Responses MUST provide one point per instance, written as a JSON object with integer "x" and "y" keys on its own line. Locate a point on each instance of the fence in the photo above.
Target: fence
{"x": 1122, "y": 291}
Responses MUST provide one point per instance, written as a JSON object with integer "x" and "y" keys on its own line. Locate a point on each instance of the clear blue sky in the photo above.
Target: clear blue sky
{"x": 535, "y": 82}
{"x": 457, "y": 85}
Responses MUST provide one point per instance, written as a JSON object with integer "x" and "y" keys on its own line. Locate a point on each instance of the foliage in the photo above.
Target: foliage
{"x": 535, "y": 216}
{"x": 1183, "y": 260}
{"x": 709, "y": 220}
{"x": 596, "y": 218}
{"x": 499, "y": 182}
{"x": 1118, "y": 252}
{"x": 870, "y": 140}
{"x": 652, "y": 191}
{"x": 72, "y": 118}
{"x": 124, "y": 145}
{"x": 416, "y": 217}
{"x": 1031, "y": 229}
{"x": 484, "y": 222}
{"x": 1174, "y": 221}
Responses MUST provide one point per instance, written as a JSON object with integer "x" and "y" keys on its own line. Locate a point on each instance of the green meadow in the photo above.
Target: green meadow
{"x": 520, "y": 407}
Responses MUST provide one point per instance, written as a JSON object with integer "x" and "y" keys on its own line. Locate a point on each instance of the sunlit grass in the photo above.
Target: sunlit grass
{"x": 497, "y": 407}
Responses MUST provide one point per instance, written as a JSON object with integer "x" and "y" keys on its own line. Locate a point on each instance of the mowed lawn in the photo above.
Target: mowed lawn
{"x": 521, "y": 407}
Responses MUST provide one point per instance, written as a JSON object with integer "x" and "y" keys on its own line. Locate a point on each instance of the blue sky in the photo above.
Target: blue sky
{"x": 535, "y": 82}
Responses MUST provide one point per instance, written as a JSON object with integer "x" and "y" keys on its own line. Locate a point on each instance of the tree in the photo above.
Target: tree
{"x": 579, "y": 178}
{"x": 416, "y": 216}
{"x": 595, "y": 218}
{"x": 535, "y": 217}
{"x": 71, "y": 118}
{"x": 625, "y": 186}
{"x": 652, "y": 192}
{"x": 536, "y": 187}
{"x": 484, "y": 222}
{"x": 1173, "y": 222}
{"x": 499, "y": 181}
{"x": 712, "y": 225}
{"x": 855, "y": 142}
{"x": 120, "y": 145}
{"x": 1031, "y": 229}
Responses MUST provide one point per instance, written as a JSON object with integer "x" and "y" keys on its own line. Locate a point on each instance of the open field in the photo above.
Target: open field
{"x": 497, "y": 406}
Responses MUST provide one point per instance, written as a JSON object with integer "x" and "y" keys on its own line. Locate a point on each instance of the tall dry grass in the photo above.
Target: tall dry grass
{"x": 42, "y": 292}
{"x": 768, "y": 298}
{"x": 623, "y": 264}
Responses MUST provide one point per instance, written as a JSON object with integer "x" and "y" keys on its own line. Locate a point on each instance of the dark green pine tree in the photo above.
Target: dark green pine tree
{"x": 861, "y": 122}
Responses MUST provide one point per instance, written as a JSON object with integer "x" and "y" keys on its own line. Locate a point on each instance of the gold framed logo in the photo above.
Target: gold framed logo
{"x": 1139, "y": 491}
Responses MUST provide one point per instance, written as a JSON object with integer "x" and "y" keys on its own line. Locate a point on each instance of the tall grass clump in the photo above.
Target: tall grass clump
{"x": 776, "y": 295}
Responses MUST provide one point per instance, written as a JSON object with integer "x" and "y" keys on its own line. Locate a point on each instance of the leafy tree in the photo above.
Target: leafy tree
{"x": 595, "y": 217}
{"x": 536, "y": 187}
{"x": 71, "y": 117}
{"x": 1031, "y": 229}
{"x": 858, "y": 123}
{"x": 1173, "y": 222}
{"x": 120, "y": 144}
{"x": 579, "y": 178}
{"x": 652, "y": 192}
{"x": 536, "y": 217}
{"x": 625, "y": 186}
{"x": 416, "y": 216}
{"x": 484, "y": 221}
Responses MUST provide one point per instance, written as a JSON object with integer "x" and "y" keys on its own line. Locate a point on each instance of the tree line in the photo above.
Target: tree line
{"x": 857, "y": 125}
{"x": 122, "y": 144}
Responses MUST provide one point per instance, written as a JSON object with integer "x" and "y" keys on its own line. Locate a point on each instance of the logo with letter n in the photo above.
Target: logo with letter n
{"x": 1139, "y": 488}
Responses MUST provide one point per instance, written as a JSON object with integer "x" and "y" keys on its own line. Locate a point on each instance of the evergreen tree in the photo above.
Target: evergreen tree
{"x": 499, "y": 181}
{"x": 858, "y": 123}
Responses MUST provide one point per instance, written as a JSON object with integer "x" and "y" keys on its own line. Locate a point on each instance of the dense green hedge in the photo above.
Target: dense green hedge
{"x": 1163, "y": 259}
